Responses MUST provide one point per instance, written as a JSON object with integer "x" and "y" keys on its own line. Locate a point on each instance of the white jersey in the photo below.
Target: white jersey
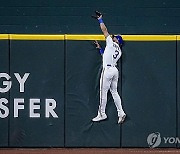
{"x": 112, "y": 53}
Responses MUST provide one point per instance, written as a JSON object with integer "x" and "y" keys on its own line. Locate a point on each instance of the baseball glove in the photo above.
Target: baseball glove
{"x": 98, "y": 14}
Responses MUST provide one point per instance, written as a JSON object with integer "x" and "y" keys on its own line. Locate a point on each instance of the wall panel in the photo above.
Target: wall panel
{"x": 44, "y": 60}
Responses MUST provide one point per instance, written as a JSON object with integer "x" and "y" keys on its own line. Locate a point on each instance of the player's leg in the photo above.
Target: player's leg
{"x": 116, "y": 97}
{"x": 105, "y": 82}
{"x": 104, "y": 87}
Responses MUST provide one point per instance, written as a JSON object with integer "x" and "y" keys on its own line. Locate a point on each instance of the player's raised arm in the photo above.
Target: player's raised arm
{"x": 102, "y": 25}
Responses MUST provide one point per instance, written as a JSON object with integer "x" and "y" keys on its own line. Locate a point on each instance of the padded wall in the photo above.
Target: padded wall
{"x": 67, "y": 70}
{"x": 149, "y": 91}
{"x": 82, "y": 80}
{"x": 44, "y": 60}
{"x": 4, "y": 68}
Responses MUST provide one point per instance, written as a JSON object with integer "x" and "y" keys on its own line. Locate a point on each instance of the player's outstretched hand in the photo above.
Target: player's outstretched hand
{"x": 97, "y": 44}
{"x": 97, "y": 16}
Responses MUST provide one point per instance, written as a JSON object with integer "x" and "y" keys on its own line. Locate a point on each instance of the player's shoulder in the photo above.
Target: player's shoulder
{"x": 109, "y": 39}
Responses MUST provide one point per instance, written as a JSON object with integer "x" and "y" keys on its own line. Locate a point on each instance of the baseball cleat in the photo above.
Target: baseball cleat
{"x": 121, "y": 119}
{"x": 100, "y": 117}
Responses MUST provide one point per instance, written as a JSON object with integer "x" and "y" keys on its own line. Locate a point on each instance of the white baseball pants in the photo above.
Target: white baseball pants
{"x": 109, "y": 80}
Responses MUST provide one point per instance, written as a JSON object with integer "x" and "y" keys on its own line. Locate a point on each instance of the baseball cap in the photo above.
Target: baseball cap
{"x": 119, "y": 38}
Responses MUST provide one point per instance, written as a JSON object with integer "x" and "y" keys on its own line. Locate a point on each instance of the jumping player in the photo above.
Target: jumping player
{"x": 110, "y": 74}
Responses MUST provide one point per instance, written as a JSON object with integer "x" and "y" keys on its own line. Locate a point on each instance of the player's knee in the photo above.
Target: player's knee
{"x": 113, "y": 92}
{"x": 104, "y": 90}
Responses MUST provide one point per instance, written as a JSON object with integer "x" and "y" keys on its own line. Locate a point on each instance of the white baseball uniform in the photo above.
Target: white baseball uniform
{"x": 109, "y": 76}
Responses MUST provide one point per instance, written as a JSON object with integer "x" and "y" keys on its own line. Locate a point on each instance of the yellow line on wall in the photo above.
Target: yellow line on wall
{"x": 178, "y": 37}
{"x": 149, "y": 37}
{"x": 125, "y": 37}
{"x": 4, "y": 36}
{"x": 88, "y": 37}
{"x": 84, "y": 37}
{"x": 35, "y": 37}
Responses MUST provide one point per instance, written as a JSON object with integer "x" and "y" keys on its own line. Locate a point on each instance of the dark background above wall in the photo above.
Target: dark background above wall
{"x": 74, "y": 17}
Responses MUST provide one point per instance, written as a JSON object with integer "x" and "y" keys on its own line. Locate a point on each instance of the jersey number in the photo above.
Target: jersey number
{"x": 116, "y": 54}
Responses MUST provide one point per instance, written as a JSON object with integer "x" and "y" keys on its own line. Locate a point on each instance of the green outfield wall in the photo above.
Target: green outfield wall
{"x": 49, "y": 88}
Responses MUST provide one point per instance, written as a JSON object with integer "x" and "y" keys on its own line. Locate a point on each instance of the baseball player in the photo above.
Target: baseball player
{"x": 109, "y": 75}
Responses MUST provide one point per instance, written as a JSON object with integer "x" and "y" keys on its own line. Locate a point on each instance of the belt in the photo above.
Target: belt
{"x": 110, "y": 65}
